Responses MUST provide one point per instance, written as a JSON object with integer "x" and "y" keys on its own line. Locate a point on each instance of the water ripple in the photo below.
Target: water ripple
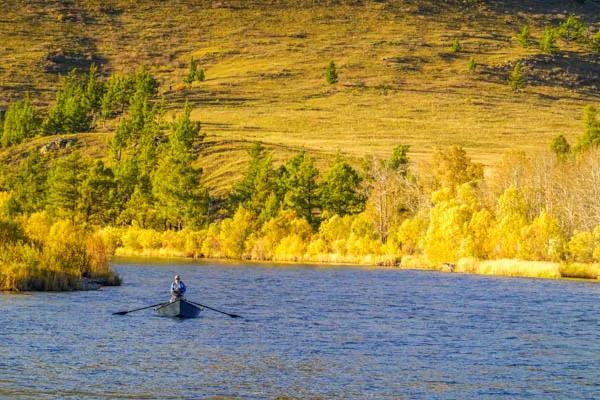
{"x": 307, "y": 332}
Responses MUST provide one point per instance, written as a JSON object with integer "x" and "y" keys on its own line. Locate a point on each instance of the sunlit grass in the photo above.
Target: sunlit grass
{"x": 39, "y": 255}
{"x": 580, "y": 270}
{"x": 265, "y": 65}
{"x": 511, "y": 268}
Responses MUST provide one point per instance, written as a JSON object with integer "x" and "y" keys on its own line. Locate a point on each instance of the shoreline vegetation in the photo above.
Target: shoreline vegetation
{"x": 38, "y": 255}
{"x": 514, "y": 268}
{"x": 62, "y": 214}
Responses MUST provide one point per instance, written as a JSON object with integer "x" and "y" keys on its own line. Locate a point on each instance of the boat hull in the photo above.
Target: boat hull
{"x": 179, "y": 309}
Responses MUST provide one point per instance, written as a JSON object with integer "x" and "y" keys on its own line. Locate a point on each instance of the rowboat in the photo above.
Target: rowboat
{"x": 179, "y": 309}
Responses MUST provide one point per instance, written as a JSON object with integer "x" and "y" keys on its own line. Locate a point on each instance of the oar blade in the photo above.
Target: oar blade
{"x": 138, "y": 309}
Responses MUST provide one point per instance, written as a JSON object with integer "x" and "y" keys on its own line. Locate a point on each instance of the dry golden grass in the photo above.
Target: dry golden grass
{"x": 580, "y": 271}
{"x": 265, "y": 63}
{"x": 417, "y": 262}
{"x": 518, "y": 268}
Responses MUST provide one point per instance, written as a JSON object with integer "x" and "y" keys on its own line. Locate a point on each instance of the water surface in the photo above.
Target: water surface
{"x": 308, "y": 332}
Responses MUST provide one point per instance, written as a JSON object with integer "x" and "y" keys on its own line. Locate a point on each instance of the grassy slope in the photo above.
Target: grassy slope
{"x": 399, "y": 82}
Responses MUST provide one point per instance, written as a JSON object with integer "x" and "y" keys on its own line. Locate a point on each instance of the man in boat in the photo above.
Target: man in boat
{"x": 177, "y": 289}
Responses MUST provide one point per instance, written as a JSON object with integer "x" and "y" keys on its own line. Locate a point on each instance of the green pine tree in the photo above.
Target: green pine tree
{"x": 192, "y": 72}
{"x": 524, "y": 37}
{"x": 119, "y": 90}
{"x": 399, "y": 160}
{"x": 72, "y": 111}
{"x": 472, "y": 65}
{"x": 331, "y": 75}
{"x": 96, "y": 195}
{"x": 139, "y": 133}
{"x": 128, "y": 178}
{"x": 594, "y": 42}
{"x": 181, "y": 199}
{"x": 340, "y": 191}
{"x": 21, "y": 122}
{"x": 301, "y": 189}
{"x": 259, "y": 182}
{"x": 28, "y": 186}
{"x": 456, "y": 46}
{"x": 548, "y": 43}
{"x": 94, "y": 88}
{"x": 140, "y": 209}
{"x": 560, "y": 147}
{"x": 572, "y": 28}
{"x": 64, "y": 178}
{"x": 516, "y": 80}
{"x": 591, "y": 129}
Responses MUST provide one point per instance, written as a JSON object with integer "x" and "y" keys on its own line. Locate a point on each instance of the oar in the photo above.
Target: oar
{"x": 214, "y": 309}
{"x": 137, "y": 309}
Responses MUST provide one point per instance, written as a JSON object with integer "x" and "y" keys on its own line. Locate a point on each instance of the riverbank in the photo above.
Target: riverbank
{"x": 504, "y": 267}
{"x": 39, "y": 255}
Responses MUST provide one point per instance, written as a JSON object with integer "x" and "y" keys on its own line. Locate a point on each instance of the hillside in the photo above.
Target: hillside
{"x": 399, "y": 81}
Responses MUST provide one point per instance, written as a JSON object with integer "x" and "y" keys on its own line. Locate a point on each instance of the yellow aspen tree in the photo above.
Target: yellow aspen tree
{"x": 411, "y": 233}
{"x": 480, "y": 228}
{"x": 235, "y": 231}
{"x": 447, "y": 228}
{"x": 511, "y": 216}
{"x": 542, "y": 239}
{"x": 581, "y": 246}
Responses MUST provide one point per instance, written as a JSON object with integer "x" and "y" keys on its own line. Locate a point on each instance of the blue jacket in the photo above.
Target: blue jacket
{"x": 181, "y": 287}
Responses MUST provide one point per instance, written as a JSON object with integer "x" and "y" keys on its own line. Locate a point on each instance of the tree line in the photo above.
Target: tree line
{"x": 149, "y": 190}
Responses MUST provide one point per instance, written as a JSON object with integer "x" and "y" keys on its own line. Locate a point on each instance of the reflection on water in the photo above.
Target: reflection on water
{"x": 307, "y": 332}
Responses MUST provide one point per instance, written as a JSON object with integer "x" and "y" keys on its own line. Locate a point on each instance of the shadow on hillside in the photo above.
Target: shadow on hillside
{"x": 570, "y": 70}
{"x": 62, "y": 60}
{"x": 406, "y": 63}
{"x": 589, "y": 9}
{"x": 194, "y": 99}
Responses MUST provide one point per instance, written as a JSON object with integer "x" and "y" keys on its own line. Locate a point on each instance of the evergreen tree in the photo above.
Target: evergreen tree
{"x": 96, "y": 194}
{"x": 572, "y": 28}
{"x": 516, "y": 80}
{"x": 591, "y": 132}
{"x": 65, "y": 176}
{"x": 456, "y": 46}
{"x": 94, "y": 88}
{"x": 301, "y": 189}
{"x": 548, "y": 42}
{"x": 472, "y": 65}
{"x": 331, "y": 75}
{"x": 258, "y": 184}
{"x": 28, "y": 186}
{"x": 145, "y": 83}
{"x": 399, "y": 160}
{"x": 140, "y": 207}
{"x": 560, "y": 147}
{"x": 127, "y": 179}
{"x": 594, "y": 42}
{"x": 192, "y": 72}
{"x": 524, "y": 37}
{"x": 139, "y": 133}
{"x": 72, "y": 110}
{"x": 21, "y": 122}
{"x": 340, "y": 191}
{"x": 181, "y": 199}
{"x": 185, "y": 132}
{"x": 118, "y": 94}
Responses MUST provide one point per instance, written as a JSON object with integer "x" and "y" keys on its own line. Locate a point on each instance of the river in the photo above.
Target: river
{"x": 306, "y": 332}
